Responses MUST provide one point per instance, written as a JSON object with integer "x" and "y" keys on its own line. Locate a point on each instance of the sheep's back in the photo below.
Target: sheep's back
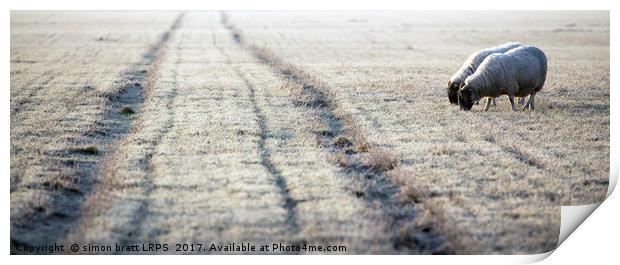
{"x": 531, "y": 67}
{"x": 475, "y": 59}
{"x": 478, "y": 57}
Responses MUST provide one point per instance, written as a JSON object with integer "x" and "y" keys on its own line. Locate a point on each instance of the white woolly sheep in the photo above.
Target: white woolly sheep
{"x": 519, "y": 72}
{"x": 471, "y": 64}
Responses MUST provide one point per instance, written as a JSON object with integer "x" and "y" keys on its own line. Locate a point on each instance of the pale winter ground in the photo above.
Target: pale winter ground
{"x": 323, "y": 128}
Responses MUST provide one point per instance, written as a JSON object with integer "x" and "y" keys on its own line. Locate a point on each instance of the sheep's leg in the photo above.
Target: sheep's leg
{"x": 512, "y": 102}
{"x": 527, "y": 104}
{"x": 530, "y": 102}
{"x": 494, "y": 102}
{"x": 521, "y": 100}
{"x": 488, "y": 104}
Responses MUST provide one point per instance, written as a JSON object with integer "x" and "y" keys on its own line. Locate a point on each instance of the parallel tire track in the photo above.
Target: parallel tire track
{"x": 289, "y": 203}
{"x": 65, "y": 206}
{"x": 359, "y": 159}
{"x": 146, "y": 164}
{"x": 523, "y": 157}
{"x": 154, "y": 58}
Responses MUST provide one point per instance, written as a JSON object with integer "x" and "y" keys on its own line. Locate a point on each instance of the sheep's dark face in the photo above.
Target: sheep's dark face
{"x": 466, "y": 98}
{"x": 453, "y": 93}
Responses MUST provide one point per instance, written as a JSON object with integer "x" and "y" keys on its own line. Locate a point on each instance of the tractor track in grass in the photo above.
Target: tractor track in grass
{"x": 136, "y": 229}
{"x": 133, "y": 229}
{"x": 87, "y": 154}
{"x": 289, "y": 203}
{"x": 523, "y": 157}
{"x": 358, "y": 159}
{"x": 158, "y": 54}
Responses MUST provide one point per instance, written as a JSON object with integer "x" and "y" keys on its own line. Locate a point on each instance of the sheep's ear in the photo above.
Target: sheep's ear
{"x": 462, "y": 85}
{"x": 449, "y": 83}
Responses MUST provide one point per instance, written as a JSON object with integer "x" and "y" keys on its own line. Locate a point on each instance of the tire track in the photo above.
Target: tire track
{"x": 523, "y": 157}
{"x": 134, "y": 226}
{"x": 90, "y": 154}
{"x": 518, "y": 154}
{"x": 358, "y": 159}
{"x": 289, "y": 203}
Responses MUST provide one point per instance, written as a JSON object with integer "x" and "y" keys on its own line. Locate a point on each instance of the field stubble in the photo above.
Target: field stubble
{"x": 300, "y": 128}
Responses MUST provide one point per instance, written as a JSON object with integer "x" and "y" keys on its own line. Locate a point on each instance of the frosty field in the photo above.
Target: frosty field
{"x": 316, "y": 128}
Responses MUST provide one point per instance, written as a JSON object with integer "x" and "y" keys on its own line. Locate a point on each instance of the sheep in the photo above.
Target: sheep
{"x": 519, "y": 72}
{"x": 470, "y": 65}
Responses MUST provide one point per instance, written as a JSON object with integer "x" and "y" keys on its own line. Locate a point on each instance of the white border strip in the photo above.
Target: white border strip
{"x": 572, "y": 216}
{"x": 312, "y": 5}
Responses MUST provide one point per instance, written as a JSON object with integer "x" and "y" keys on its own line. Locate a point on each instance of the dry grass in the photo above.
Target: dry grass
{"x": 497, "y": 177}
{"x": 300, "y": 127}
{"x": 58, "y": 101}
{"x": 126, "y": 169}
{"x": 314, "y": 93}
{"x": 240, "y": 181}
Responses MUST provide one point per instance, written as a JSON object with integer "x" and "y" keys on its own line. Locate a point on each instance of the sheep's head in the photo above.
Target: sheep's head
{"x": 466, "y": 97}
{"x": 453, "y": 91}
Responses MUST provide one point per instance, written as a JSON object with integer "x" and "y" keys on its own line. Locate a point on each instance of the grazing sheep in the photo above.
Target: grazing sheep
{"x": 519, "y": 72}
{"x": 471, "y": 64}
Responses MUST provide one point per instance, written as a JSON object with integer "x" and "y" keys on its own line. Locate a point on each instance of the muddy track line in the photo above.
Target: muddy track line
{"x": 90, "y": 154}
{"x": 520, "y": 155}
{"x": 209, "y": 184}
{"x": 326, "y": 213}
{"x": 360, "y": 160}
{"x": 146, "y": 165}
{"x": 192, "y": 175}
{"x": 157, "y": 56}
{"x": 289, "y": 203}
{"x": 523, "y": 157}
{"x": 147, "y": 80}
